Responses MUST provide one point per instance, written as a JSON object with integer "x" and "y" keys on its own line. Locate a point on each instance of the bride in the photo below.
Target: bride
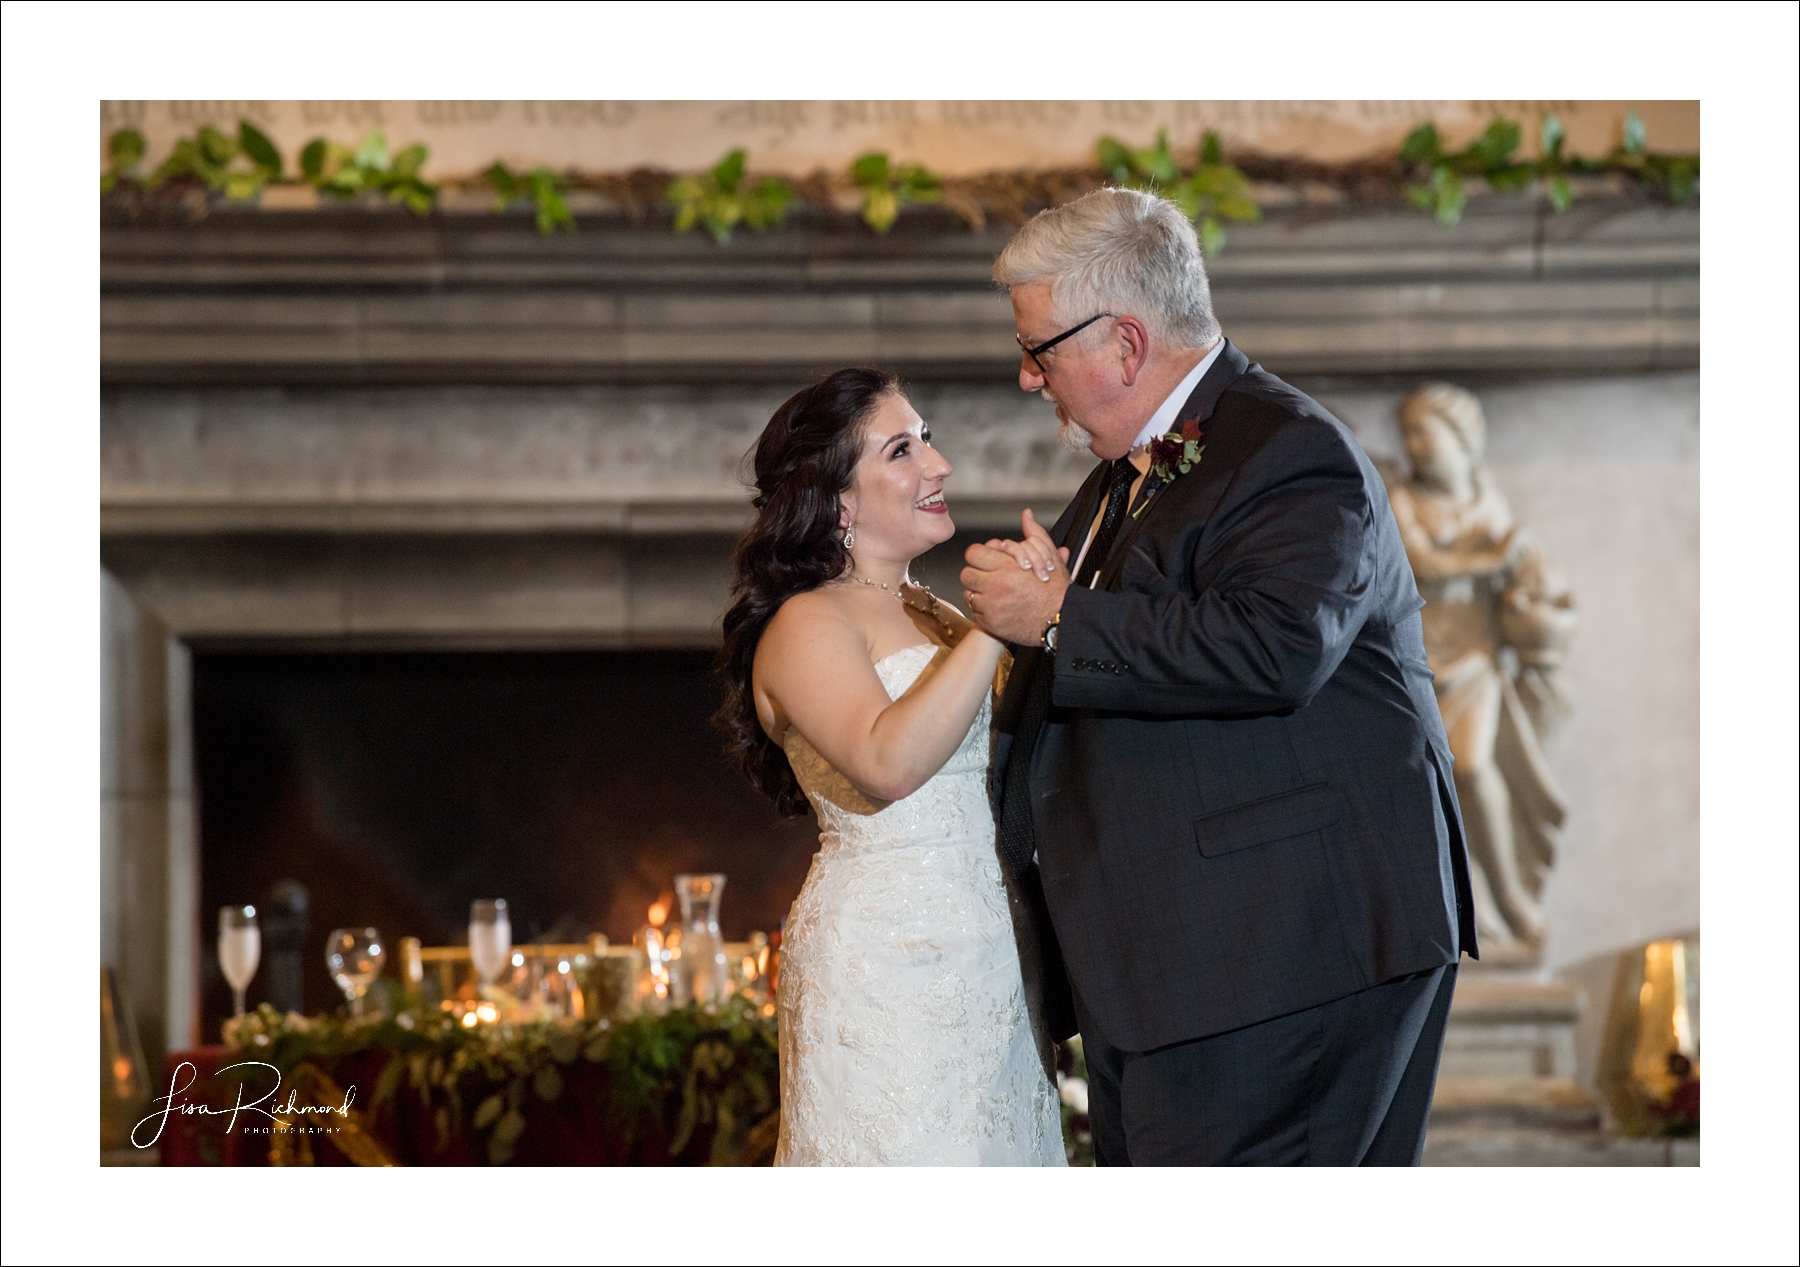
{"x": 905, "y": 1038}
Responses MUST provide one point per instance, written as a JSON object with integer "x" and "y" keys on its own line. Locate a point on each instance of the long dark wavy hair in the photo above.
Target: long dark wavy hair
{"x": 803, "y": 465}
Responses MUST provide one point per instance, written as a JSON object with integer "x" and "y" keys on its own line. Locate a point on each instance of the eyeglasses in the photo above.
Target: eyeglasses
{"x": 1045, "y": 346}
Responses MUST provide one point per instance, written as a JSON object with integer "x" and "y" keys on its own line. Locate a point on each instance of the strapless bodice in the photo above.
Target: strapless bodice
{"x": 953, "y": 803}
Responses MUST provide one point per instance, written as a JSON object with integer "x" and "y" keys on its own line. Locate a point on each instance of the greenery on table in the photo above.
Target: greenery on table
{"x": 720, "y": 199}
{"x": 689, "y": 1068}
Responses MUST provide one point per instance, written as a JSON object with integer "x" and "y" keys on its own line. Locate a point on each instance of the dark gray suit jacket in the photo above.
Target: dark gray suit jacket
{"x": 1241, "y": 796}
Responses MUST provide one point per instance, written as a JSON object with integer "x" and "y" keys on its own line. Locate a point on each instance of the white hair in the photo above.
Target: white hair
{"x": 1119, "y": 251}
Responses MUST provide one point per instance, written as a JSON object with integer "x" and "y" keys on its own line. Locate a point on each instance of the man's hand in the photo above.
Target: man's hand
{"x": 1013, "y": 588}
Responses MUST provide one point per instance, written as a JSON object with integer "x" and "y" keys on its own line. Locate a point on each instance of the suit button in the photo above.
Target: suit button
{"x": 1078, "y": 665}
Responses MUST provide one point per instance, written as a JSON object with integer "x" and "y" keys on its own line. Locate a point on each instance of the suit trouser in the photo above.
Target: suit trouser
{"x": 1347, "y": 1083}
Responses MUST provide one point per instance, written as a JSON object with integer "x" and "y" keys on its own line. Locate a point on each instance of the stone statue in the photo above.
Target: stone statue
{"x": 1498, "y": 620}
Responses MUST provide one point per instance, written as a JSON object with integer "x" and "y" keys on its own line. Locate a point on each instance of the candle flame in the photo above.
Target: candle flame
{"x": 659, "y": 913}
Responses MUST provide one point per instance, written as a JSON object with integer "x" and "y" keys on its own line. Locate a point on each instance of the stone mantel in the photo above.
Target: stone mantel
{"x": 367, "y": 297}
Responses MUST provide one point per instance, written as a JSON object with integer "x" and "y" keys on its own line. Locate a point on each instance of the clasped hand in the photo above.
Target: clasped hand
{"x": 1013, "y": 588}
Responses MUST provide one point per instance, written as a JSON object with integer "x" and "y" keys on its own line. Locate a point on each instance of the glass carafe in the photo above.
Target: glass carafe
{"x": 700, "y": 974}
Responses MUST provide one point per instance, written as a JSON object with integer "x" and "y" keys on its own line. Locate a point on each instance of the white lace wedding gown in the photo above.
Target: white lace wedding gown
{"x": 904, "y": 1035}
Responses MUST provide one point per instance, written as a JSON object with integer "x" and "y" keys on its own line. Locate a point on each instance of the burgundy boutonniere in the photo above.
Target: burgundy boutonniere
{"x": 1174, "y": 454}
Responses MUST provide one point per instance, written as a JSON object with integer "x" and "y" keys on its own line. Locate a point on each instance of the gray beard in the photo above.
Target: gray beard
{"x": 1073, "y": 437}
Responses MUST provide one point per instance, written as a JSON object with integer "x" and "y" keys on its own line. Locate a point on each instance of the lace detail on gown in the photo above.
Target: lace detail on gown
{"x": 904, "y": 1035}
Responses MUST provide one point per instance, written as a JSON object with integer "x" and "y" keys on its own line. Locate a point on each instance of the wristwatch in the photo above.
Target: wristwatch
{"x": 1048, "y": 637}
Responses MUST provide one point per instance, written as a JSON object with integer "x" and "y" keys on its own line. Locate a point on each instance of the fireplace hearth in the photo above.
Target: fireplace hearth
{"x": 398, "y": 787}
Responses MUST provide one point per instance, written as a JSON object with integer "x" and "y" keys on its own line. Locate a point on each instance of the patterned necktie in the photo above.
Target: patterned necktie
{"x": 1118, "y": 501}
{"x": 1018, "y": 842}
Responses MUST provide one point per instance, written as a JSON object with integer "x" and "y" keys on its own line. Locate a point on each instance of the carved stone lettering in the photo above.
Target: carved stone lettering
{"x": 349, "y": 113}
{"x": 450, "y": 114}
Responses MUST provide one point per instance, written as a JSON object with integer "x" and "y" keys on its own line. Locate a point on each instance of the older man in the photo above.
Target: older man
{"x": 1222, "y": 782}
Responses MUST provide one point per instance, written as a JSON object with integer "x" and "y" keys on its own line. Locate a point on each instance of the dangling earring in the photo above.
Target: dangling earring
{"x": 849, "y": 537}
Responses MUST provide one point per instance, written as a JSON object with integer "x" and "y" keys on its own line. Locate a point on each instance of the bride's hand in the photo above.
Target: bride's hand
{"x": 1035, "y": 554}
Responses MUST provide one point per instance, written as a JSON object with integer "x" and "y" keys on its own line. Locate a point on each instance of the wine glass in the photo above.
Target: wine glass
{"x": 354, "y": 957}
{"x": 240, "y": 949}
{"x": 490, "y": 938}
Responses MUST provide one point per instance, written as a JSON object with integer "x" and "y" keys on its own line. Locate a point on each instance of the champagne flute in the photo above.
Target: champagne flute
{"x": 354, "y": 957}
{"x": 240, "y": 949}
{"x": 490, "y": 938}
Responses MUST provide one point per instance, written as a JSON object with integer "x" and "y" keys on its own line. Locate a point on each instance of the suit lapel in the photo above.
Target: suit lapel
{"x": 1081, "y": 510}
{"x": 1231, "y": 366}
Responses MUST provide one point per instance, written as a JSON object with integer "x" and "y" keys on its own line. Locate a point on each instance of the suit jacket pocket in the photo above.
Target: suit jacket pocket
{"x": 1311, "y": 808}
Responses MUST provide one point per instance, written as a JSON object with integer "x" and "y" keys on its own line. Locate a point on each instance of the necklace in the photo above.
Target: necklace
{"x": 931, "y": 611}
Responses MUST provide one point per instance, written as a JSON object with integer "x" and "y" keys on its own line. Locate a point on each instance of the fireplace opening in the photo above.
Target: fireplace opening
{"x": 395, "y": 788}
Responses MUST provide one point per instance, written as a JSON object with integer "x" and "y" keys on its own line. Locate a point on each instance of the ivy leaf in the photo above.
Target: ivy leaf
{"x": 565, "y": 1045}
{"x": 242, "y": 186}
{"x": 259, "y": 147}
{"x": 1239, "y": 209}
{"x": 730, "y": 171}
{"x": 504, "y": 184}
{"x": 409, "y": 160}
{"x": 506, "y": 1133}
{"x": 552, "y": 211}
{"x": 216, "y": 148}
{"x": 126, "y": 147}
{"x": 1499, "y": 140}
{"x": 1158, "y": 163}
{"x": 1183, "y": 196}
{"x": 917, "y": 184}
{"x": 880, "y": 209}
{"x": 766, "y": 206}
{"x": 869, "y": 170}
{"x": 1514, "y": 177}
{"x": 312, "y": 159}
{"x": 510, "y": 1126}
{"x": 372, "y": 153}
{"x": 388, "y": 1084}
{"x": 417, "y": 198}
{"x": 1114, "y": 159}
{"x": 1635, "y": 137}
{"x": 1559, "y": 193}
{"x": 1448, "y": 195}
{"x": 1422, "y": 145}
{"x": 1684, "y": 176}
{"x": 1552, "y": 137}
{"x": 1212, "y": 154}
{"x": 489, "y": 1110}
{"x": 1212, "y": 235}
{"x": 548, "y": 1084}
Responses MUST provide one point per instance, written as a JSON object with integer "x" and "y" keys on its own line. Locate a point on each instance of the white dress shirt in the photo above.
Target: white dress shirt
{"x": 1161, "y": 422}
